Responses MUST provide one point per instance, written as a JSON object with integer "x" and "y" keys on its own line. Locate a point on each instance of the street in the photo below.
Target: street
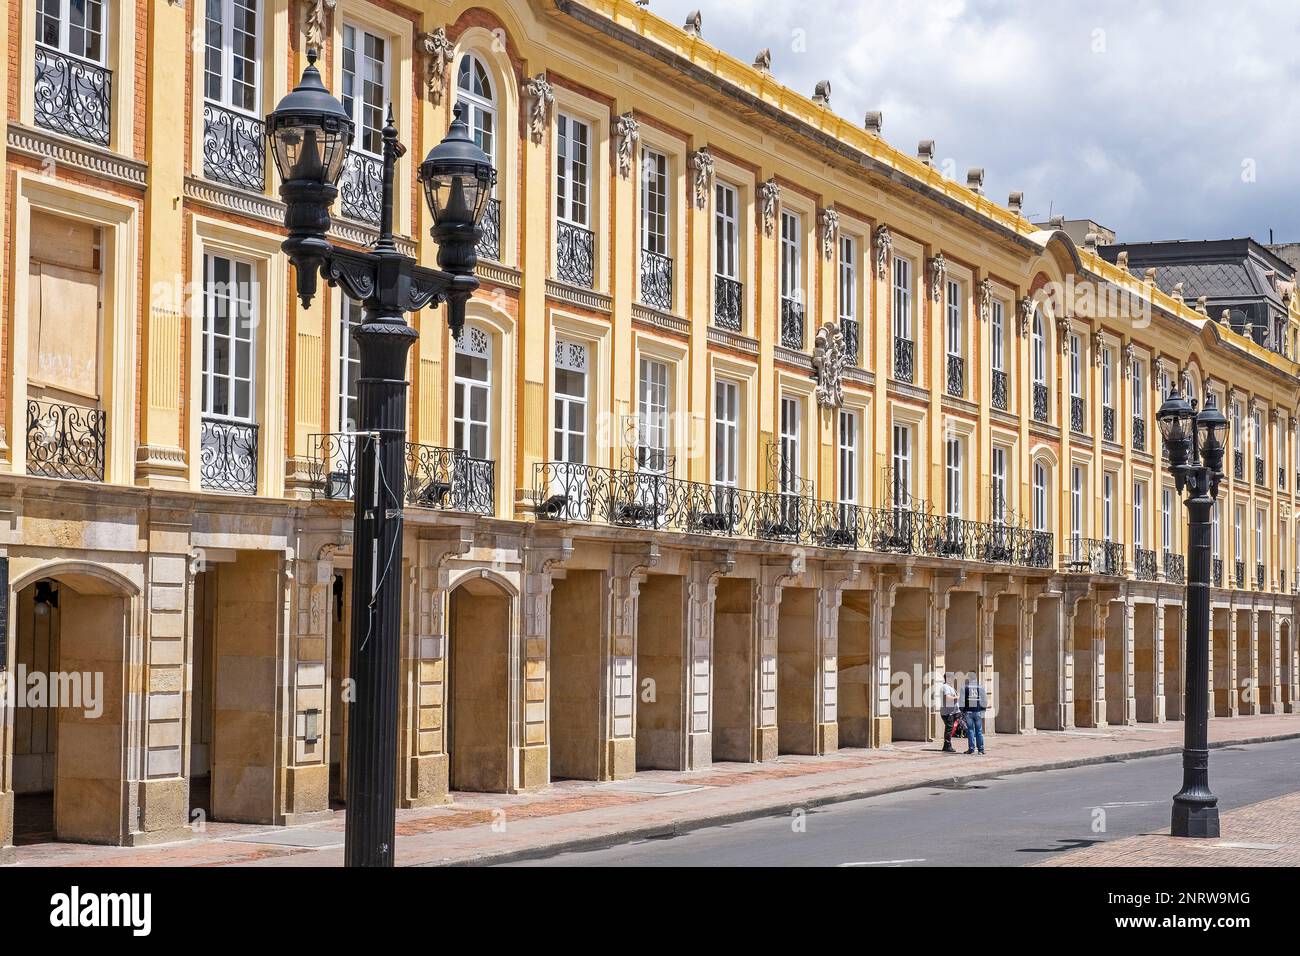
{"x": 1009, "y": 821}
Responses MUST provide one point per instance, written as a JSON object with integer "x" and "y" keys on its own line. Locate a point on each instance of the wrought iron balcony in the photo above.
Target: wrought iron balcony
{"x": 852, "y": 339}
{"x": 1259, "y": 471}
{"x": 1107, "y": 423}
{"x": 1216, "y": 572}
{"x": 656, "y": 281}
{"x": 446, "y": 479}
{"x": 72, "y": 96}
{"x": 1238, "y": 466}
{"x": 65, "y": 441}
{"x": 792, "y": 336}
{"x": 1239, "y": 567}
{"x": 956, "y": 376}
{"x": 361, "y": 188}
{"x": 728, "y": 312}
{"x": 904, "y": 352}
{"x": 1001, "y": 390}
{"x": 228, "y": 456}
{"x": 575, "y": 261}
{"x": 1175, "y": 568}
{"x": 234, "y": 147}
{"x": 1139, "y": 433}
{"x": 1093, "y": 556}
{"x": 1144, "y": 564}
{"x": 1040, "y": 401}
{"x": 489, "y": 232}
{"x": 1259, "y": 577}
{"x": 1078, "y": 415}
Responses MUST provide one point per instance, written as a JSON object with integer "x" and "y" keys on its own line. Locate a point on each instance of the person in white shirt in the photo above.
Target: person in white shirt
{"x": 948, "y": 710}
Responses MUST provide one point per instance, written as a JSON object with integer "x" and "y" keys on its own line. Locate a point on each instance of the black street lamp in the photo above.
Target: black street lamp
{"x": 1195, "y": 443}
{"x": 310, "y": 134}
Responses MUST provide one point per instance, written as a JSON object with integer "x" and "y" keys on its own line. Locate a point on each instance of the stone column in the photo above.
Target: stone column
{"x": 618, "y": 697}
{"x": 701, "y": 591}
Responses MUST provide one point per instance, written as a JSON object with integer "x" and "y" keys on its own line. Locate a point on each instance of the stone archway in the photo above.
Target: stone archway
{"x": 479, "y": 626}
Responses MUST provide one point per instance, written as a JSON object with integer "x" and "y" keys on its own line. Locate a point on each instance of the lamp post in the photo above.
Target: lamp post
{"x": 1195, "y": 442}
{"x": 310, "y": 134}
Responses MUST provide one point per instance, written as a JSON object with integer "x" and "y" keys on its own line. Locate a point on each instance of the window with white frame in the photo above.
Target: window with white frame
{"x": 229, "y": 322}
{"x": 1259, "y": 536}
{"x": 954, "y": 323}
{"x": 78, "y": 27}
{"x": 1236, "y": 427}
{"x": 791, "y": 257}
{"x": 366, "y": 85}
{"x": 1215, "y": 546}
{"x": 471, "y": 423}
{"x": 1257, "y": 433}
{"x": 1108, "y": 507}
{"x": 474, "y": 91}
{"x": 654, "y": 202}
{"x": 1107, "y": 378}
{"x": 952, "y": 465}
{"x": 999, "y": 484}
{"x": 791, "y": 431}
{"x": 1040, "y": 496}
{"x": 573, "y": 170}
{"x": 726, "y": 433}
{"x": 571, "y": 400}
{"x": 997, "y": 338}
{"x": 1167, "y": 519}
{"x": 1238, "y": 542}
{"x": 653, "y": 402}
{"x": 848, "y": 457}
{"x": 726, "y": 231}
{"x": 1139, "y": 392}
{"x": 1039, "y": 349}
{"x": 232, "y": 54}
{"x": 351, "y": 314}
{"x": 902, "y": 459}
{"x": 1076, "y": 507}
{"x": 1076, "y": 367}
{"x": 1139, "y": 515}
{"x": 902, "y": 298}
{"x": 848, "y": 279}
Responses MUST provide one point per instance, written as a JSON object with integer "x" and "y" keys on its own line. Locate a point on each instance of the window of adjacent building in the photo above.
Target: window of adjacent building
{"x": 1040, "y": 496}
{"x": 73, "y": 26}
{"x": 848, "y": 457}
{"x": 791, "y": 416}
{"x": 571, "y": 368}
{"x": 1139, "y": 516}
{"x": 902, "y": 457}
{"x": 652, "y": 450}
{"x": 1039, "y": 349}
{"x": 726, "y": 433}
{"x": 848, "y": 278}
{"x": 999, "y": 484}
{"x": 573, "y": 170}
{"x": 954, "y": 319}
{"x": 351, "y": 314}
{"x": 1076, "y": 367}
{"x": 473, "y": 392}
{"x": 366, "y": 89}
{"x": 791, "y": 256}
{"x": 1107, "y": 506}
{"x": 654, "y": 202}
{"x": 230, "y": 74}
{"x": 229, "y": 318}
{"x": 997, "y": 343}
{"x": 726, "y": 230}
{"x": 902, "y": 298}
{"x": 953, "y": 469}
{"x": 1076, "y": 505}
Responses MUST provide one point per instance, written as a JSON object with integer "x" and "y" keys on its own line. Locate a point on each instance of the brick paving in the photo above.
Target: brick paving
{"x": 1260, "y": 834}
{"x": 483, "y": 827}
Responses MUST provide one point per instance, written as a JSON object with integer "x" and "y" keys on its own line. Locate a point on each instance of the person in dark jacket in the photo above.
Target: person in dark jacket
{"x": 974, "y": 701}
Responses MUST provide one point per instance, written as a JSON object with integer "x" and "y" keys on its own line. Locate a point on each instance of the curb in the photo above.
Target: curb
{"x": 786, "y": 806}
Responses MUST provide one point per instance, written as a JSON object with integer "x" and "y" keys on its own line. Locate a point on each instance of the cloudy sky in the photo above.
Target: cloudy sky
{"x": 1172, "y": 120}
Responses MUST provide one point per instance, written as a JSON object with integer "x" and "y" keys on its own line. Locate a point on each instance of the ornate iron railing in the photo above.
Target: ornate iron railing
{"x": 447, "y": 479}
{"x": 1107, "y": 423}
{"x": 728, "y": 312}
{"x": 630, "y": 499}
{"x": 1259, "y": 471}
{"x": 1239, "y": 568}
{"x": 65, "y": 441}
{"x": 362, "y": 187}
{"x": 852, "y": 340}
{"x": 72, "y": 96}
{"x": 1144, "y": 564}
{"x": 575, "y": 260}
{"x": 1216, "y": 572}
{"x": 1139, "y": 433}
{"x": 656, "y": 281}
{"x": 1259, "y": 577}
{"x": 1093, "y": 556}
{"x": 956, "y": 376}
{"x": 1175, "y": 568}
{"x": 1238, "y": 466}
{"x": 1040, "y": 401}
{"x": 904, "y": 359}
{"x": 792, "y": 336}
{"x": 1001, "y": 390}
{"x": 1077, "y": 414}
{"x": 228, "y": 456}
{"x": 234, "y": 150}
{"x": 489, "y": 232}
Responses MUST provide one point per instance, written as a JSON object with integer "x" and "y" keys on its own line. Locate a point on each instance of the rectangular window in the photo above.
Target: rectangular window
{"x": 954, "y": 319}
{"x": 953, "y": 468}
{"x": 726, "y": 433}
{"x": 1040, "y": 496}
{"x": 848, "y": 278}
{"x": 1167, "y": 519}
{"x": 1214, "y": 532}
{"x": 791, "y": 257}
{"x": 902, "y": 485}
{"x": 902, "y": 298}
{"x": 573, "y": 170}
{"x": 571, "y": 365}
{"x": 1139, "y": 393}
{"x": 999, "y": 484}
{"x": 1107, "y": 507}
{"x": 1259, "y": 537}
{"x": 1076, "y": 368}
{"x": 1107, "y": 377}
{"x": 232, "y": 54}
{"x": 1076, "y": 503}
{"x": 652, "y": 450}
{"x": 1139, "y": 504}
{"x": 366, "y": 86}
{"x": 791, "y": 414}
{"x": 351, "y": 315}
{"x": 73, "y": 26}
{"x": 848, "y": 457}
{"x": 1238, "y": 545}
{"x": 996, "y": 335}
{"x": 726, "y": 228}
{"x": 654, "y": 202}
{"x": 229, "y": 319}
{"x": 1236, "y": 426}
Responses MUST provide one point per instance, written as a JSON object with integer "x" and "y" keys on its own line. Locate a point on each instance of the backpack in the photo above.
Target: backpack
{"x": 959, "y": 726}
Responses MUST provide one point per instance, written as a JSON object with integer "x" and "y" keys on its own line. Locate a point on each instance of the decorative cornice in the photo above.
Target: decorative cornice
{"x": 438, "y": 51}
{"x": 733, "y": 340}
{"x": 663, "y": 321}
{"x": 162, "y": 460}
{"x": 540, "y": 96}
{"x": 830, "y": 223}
{"x": 884, "y": 249}
{"x": 500, "y": 275}
{"x": 800, "y": 360}
{"x": 54, "y": 150}
{"x": 702, "y": 166}
{"x": 770, "y": 194}
{"x": 629, "y": 131}
{"x": 583, "y": 298}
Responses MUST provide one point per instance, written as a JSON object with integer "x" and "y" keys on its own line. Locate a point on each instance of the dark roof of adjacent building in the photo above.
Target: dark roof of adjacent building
{"x": 1226, "y": 271}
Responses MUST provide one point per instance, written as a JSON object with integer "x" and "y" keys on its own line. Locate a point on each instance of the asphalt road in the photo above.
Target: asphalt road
{"x": 1005, "y": 821}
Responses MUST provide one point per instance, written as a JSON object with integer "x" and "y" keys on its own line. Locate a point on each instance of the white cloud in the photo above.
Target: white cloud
{"x": 1138, "y": 116}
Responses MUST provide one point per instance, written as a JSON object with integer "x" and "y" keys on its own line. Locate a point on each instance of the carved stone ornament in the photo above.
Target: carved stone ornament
{"x": 1130, "y": 356}
{"x": 938, "y": 271}
{"x": 1026, "y": 315}
{"x": 986, "y": 299}
{"x": 438, "y": 51}
{"x": 540, "y": 96}
{"x": 1097, "y": 345}
{"x": 884, "y": 249}
{"x": 702, "y": 167}
{"x": 770, "y": 194}
{"x": 317, "y": 15}
{"x": 1063, "y": 333}
{"x": 830, "y": 229}
{"x": 829, "y": 360}
{"x": 629, "y": 131}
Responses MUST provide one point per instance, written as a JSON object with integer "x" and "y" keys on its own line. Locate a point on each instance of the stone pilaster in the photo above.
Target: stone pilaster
{"x": 774, "y": 576}
{"x": 618, "y": 721}
{"x": 543, "y": 564}
{"x": 306, "y": 785}
{"x": 701, "y": 592}
{"x": 835, "y": 578}
{"x": 1128, "y": 660}
{"x": 882, "y": 622}
{"x": 1071, "y": 598}
{"x": 1251, "y": 704}
{"x": 1158, "y": 662}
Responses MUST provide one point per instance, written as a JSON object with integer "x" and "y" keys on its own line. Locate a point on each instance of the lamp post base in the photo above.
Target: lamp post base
{"x": 1195, "y": 820}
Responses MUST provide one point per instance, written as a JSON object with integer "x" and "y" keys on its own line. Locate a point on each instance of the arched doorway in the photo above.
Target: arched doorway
{"x": 480, "y": 621}
{"x": 71, "y": 631}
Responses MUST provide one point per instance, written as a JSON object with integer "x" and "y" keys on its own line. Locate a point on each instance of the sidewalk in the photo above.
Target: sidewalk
{"x": 1261, "y": 834}
{"x": 481, "y": 828}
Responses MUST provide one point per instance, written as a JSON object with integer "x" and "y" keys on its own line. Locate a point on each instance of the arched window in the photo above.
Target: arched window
{"x": 1040, "y": 496}
{"x": 1040, "y": 350}
{"x": 474, "y": 90}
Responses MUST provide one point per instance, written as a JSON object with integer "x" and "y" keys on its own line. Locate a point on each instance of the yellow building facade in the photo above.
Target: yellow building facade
{"x": 757, "y": 425}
